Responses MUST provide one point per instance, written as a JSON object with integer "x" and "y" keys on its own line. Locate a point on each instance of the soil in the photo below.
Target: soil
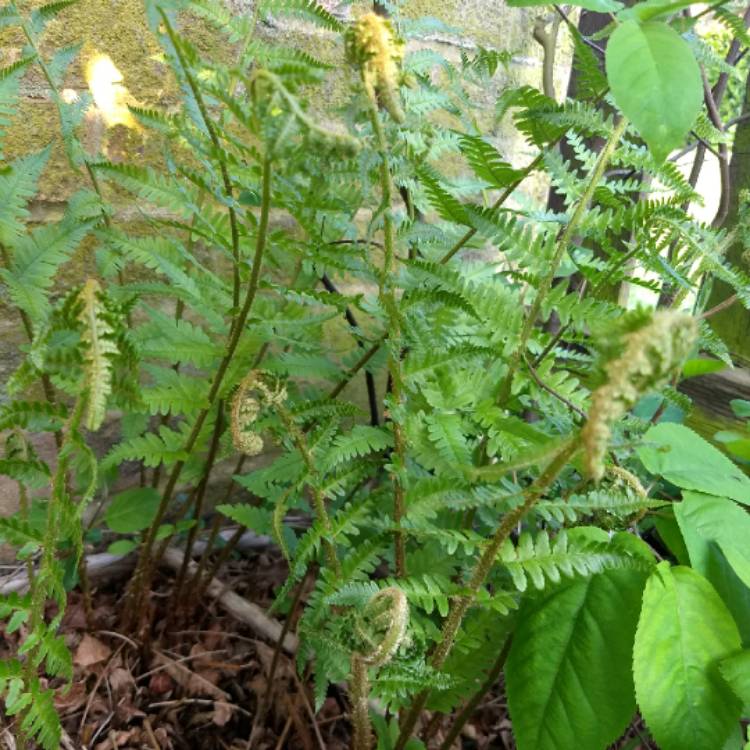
{"x": 202, "y": 681}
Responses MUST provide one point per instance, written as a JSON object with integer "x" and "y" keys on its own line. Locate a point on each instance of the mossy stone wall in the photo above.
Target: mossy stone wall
{"x": 119, "y": 29}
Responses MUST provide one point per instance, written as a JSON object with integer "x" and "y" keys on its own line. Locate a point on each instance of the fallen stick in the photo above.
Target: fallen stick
{"x": 103, "y": 568}
{"x": 248, "y": 542}
{"x": 241, "y": 609}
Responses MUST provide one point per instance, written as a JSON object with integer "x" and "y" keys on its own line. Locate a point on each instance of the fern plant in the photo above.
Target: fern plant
{"x": 462, "y": 428}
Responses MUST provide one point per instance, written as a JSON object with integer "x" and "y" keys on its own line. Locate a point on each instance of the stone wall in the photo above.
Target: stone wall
{"x": 118, "y": 28}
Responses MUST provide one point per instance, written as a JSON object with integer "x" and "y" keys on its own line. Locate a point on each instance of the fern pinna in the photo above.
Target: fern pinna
{"x": 370, "y": 292}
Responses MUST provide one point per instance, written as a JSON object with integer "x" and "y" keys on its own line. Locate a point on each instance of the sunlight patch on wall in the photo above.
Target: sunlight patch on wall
{"x": 111, "y": 97}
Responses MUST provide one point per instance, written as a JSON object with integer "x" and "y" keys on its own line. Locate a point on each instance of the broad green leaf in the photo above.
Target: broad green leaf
{"x": 569, "y": 668}
{"x": 132, "y": 510}
{"x": 121, "y": 547}
{"x": 719, "y": 520}
{"x": 669, "y": 531}
{"x": 650, "y": 9}
{"x": 739, "y": 448}
{"x": 655, "y": 81}
{"x": 716, "y": 532}
{"x": 165, "y": 530}
{"x": 682, "y": 457}
{"x": 736, "y": 671}
{"x": 683, "y": 631}
{"x": 702, "y": 366}
{"x": 740, "y": 407}
{"x": 598, "y": 6}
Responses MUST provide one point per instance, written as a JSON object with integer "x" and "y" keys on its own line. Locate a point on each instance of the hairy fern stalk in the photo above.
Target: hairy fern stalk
{"x": 378, "y": 298}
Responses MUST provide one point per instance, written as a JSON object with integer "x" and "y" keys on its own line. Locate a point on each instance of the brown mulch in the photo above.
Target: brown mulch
{"x": 200, "y": 683}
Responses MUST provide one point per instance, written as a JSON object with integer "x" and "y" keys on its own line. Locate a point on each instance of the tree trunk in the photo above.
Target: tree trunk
{"x": 733, "y": 324}
{"x": 589, "y": 23}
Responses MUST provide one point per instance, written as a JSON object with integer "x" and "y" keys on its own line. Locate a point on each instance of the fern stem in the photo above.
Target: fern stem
{"x": 198, "y": 584}
{"x": 142, "y": 574}
{"x": 297, "y": 111}
{"x": 47, "y": 387}
{"x": 390, "y": 304}
{"x": 29, "y": 668}
{"x": 458, "y": 246}
{"x": 461, "y": 604}
{"x": 359, "y": 694}
{"x": 563, "y": 243}
{"x": 47, "y": 569}
{"x": 369, "y": 378}
{"x": 355, "y": 368}
{"x": 319, "y": 502}
{"x": 581, "y": 293}
{"x": 197, "y": 504}
{"x": 213, "y": 136}
{"x": 471, "y": 706}
{"x": 234, "y": 82}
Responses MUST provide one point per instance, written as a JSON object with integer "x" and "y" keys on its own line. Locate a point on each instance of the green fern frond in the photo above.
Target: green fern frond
{"x": 397, "y": 681}
{"x": 487, "y": 162}
{"x": 422, "y": 364}
{"x": 733, "y": 23}
{"x": 360, "y": 441}
{"x": 19, "y": 533}
{"x": 36, "y": 259}
{"x": 41, "y": 719}
{"x": 30, "y": 471}
{"x": 541, "y": 559}
{"x": 163, "y": 122}
{"x": 530, "y": 117}
{"x": 45, "y": 13}
{"x": 591, "y": 80}
{"x": 251, "y": 517}
{"x": 36, "y": 704}
{"x": 616, "y": 502}
{"x": 447, "y": 205}
{"x": 429, "y": 592}
{"x": 222, "y": 17}
{"x": 44, "y": 645}
{"x": 9, "y": 16}
{"x": 173, "y": 392}
{"x": 149, "y": 185}
{"x": 153, "y": 449}
{"x": 173, "y": 341}
{"x": 308, "y": 10}
{"x": 13, "y": 602}
{"x": 18, "y": 185}
{"x": 98, "y": 338}
{"x": 446, "y": 431}
{"x": 10, "y": 77}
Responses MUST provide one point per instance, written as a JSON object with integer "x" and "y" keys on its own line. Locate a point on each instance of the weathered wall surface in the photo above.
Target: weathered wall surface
{"x": 118, "y": 28}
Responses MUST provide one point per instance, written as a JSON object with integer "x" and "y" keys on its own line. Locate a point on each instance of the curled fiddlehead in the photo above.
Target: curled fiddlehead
{"x": 647, "y": 358}
{"x": 381, "y": 629}
{"x": 250, "y": 397}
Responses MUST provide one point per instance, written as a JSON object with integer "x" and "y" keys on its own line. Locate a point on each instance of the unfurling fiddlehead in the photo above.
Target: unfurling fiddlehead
{"x": 381, "y": 629}
{"x": 252, "y": 394}
{"x": 373, "y": 47}
{"x": 649, "y": 357}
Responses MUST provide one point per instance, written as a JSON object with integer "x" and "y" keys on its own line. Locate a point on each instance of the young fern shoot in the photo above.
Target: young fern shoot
{"x": 373, "y": 47}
